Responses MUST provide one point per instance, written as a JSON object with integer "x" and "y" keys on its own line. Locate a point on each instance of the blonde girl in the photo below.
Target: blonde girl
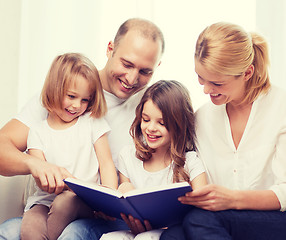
{"x": 73, "y": 136}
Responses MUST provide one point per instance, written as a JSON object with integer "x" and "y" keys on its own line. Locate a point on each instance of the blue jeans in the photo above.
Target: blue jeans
{"x": 81, "y": 229}
{"x": 230, "y": 224}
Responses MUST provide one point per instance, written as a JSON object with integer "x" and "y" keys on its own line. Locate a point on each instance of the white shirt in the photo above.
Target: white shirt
{"x": 120, "y": 116}
{"x": 259, "y": 162}
{"x": 132, "y": 167}
{"x": 72, "y": 148}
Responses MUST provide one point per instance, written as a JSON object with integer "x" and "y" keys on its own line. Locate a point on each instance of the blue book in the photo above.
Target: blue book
{"x": 159, "y": 205}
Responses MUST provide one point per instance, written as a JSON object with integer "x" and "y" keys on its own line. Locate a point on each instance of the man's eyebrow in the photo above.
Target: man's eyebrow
{"x": 124, "y": 60}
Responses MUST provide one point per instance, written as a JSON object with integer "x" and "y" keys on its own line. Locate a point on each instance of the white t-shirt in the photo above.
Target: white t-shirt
{"x": 259, "y": 162}
{"x": 71, "y": 148}
{"x": 132, "y": 167}
{"x": 120, "y": 116}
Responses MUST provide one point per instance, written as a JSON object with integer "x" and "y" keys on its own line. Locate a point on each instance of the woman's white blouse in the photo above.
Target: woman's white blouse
{"x": 259, "y": 161}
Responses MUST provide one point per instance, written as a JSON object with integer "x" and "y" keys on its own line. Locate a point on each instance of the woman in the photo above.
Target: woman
{"x": 241, "y": 138}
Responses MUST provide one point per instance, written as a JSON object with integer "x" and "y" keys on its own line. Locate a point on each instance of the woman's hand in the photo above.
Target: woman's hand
{"x": 135, "y": 225}
{"x": 211, "y": 197}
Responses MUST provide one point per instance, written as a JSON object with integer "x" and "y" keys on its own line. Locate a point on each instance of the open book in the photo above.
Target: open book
{"x": 159, "y": 205}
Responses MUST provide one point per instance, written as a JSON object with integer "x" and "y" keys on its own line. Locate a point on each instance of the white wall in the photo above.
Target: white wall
{"x": 10, "y": 15}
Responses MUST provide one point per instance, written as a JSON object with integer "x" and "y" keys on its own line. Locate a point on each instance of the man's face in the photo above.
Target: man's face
{"x": 130, "y": 67}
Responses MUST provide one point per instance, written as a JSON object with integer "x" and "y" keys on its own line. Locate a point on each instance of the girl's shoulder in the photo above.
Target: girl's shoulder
{"x": 191, "y": 155}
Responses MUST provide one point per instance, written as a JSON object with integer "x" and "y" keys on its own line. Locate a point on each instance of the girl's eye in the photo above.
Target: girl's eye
{"x": 71, "y": 96}
{"x": 217, "y": 84}
{"x": 85, "y": 100}
{"x": 145, "y": 120}
{"x": 161, "y": 123}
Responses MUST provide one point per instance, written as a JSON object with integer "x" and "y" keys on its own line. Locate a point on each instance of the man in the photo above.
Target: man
{"x": 132, "y": 59}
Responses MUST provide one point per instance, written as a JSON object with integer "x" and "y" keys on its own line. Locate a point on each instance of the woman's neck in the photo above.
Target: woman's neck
{"x": 238, "y": 116}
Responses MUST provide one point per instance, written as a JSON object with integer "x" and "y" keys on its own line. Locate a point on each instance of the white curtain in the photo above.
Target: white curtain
{"x": 49, "y": 28}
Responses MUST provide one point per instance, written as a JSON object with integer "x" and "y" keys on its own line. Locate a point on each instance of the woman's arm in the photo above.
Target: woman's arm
{"x": 216, "y": 198}
{"x": 107, "y": 168}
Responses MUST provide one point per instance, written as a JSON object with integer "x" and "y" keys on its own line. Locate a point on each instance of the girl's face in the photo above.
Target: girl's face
{"x": 75, "y": 102}
{"x": 153, "y": 128}
{"x": 222, "y": 89}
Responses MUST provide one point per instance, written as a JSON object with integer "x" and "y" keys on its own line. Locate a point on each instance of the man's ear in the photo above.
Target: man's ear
{"x": 110, "y": 48}
{"x": 249, "y": 72}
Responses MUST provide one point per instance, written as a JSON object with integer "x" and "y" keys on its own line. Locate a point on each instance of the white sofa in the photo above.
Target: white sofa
{"x": 13, "y": 194}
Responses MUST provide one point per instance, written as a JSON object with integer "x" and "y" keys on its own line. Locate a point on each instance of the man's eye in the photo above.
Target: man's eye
{"x": 144, "y": 72}
{"x": 126, "y": 65}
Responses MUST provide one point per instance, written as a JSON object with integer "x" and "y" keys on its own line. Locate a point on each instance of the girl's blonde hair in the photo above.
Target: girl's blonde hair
{"x": 64, "y": 72}
{"x": 173, "y": 99}
{"x": 227, "y": 49}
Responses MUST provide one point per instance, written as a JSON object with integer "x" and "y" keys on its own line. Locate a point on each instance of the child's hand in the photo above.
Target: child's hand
{"x": 103, "y": 216}
{"x": 135, "y": 225}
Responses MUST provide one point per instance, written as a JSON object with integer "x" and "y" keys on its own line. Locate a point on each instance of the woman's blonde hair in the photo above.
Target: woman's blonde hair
{"x": 64, "y": 72}
{"x": 227, "y": 49}
{"x": 173, "y": 99}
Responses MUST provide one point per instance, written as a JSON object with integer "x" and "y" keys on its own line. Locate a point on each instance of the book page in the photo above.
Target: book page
{"x": 94, "y": 186}
{"x": 155, "y": 189}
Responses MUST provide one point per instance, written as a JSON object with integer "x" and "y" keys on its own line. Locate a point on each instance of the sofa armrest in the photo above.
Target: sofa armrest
{"x": 11, "y": 196}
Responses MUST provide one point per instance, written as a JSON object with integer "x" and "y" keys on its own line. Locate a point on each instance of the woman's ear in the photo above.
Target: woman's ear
{"x": 110, "y": 49}
{"x": 249, "y": 72}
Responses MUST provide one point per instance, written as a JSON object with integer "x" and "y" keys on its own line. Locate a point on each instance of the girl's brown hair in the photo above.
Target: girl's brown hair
{"x": 173, "y": 99}
{"x": 64, "y": 72}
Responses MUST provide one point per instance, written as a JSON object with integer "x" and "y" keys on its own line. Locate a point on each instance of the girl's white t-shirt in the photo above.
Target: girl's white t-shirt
{"x": 132, "y": 167}
{"x": 71, "y": 148}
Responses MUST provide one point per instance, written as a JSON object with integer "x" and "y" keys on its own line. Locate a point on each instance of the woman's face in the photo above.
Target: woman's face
{"x": 222, "y": 89}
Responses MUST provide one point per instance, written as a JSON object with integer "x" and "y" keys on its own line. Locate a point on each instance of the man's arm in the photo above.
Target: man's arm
{"x": 13, "y": 143}
{"x": 13, "y": 160}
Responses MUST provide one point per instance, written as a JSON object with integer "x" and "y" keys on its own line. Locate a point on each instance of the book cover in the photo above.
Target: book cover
{"x": 159, "y": 205}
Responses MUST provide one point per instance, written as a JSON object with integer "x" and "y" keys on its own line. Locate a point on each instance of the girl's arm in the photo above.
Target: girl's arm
{"x": 107, "y": 169}
{"x": 125, "y": 184}
{"x": 199, "y": 181}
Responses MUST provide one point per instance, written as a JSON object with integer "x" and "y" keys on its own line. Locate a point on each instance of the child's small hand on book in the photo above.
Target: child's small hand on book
{"x": 135, "y": 225}
{"x": 103, "y": 216}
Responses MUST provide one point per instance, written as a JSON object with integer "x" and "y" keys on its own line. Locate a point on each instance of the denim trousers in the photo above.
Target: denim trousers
{"x": 230, "y": 224}
{"x": 81, "y": 229}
